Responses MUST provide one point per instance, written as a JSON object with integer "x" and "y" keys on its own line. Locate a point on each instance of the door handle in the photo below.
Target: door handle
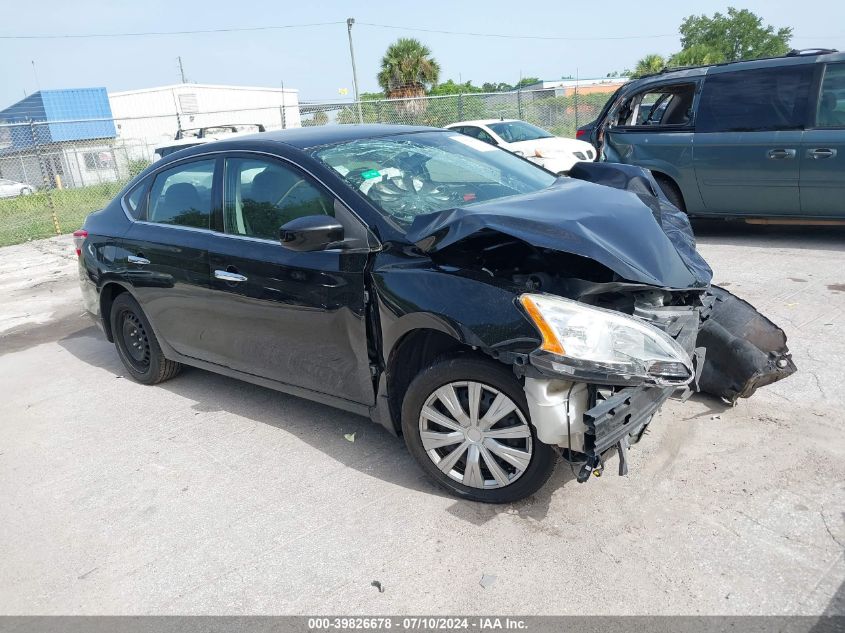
{"x": 821, "y": 152}
{"x": 781, "y": 154}
{"x": 225, "y": 275}
{"x": 137, "y": 259}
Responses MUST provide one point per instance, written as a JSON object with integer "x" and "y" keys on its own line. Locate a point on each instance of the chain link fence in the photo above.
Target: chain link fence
{"x": 54, "y": 173}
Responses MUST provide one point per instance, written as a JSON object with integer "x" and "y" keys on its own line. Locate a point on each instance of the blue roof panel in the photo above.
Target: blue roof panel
{"x": 76, "y": 114}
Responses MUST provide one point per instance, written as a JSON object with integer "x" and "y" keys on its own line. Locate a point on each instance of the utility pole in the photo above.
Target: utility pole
{"x": 35, "y": 73}
{"x": 576, "y": 98}
{"x": 181, "y": 70}
{"x": 349, "y": 23}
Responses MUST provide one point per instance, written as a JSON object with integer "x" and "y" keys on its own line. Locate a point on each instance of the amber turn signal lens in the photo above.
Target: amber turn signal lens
{"x": 550, "y": 342}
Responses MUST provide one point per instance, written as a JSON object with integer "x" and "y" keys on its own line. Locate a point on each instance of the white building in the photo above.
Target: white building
{"x": 150, "y": 117}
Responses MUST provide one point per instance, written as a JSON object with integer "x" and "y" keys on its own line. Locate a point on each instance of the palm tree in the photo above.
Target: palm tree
{"x": 407, "y": 69}
{"x": 648, "y": 65}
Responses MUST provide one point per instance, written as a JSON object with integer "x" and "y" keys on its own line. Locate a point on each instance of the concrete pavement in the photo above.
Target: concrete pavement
{"x": 208, "y": 495}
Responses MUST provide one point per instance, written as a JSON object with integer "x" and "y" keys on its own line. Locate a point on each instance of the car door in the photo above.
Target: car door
{"x": 823, "y": 149}
{"x": 749, "y": 130}
{"x": 165, "y": 253}
{"x": 294, "y": 317}
{"x": 653, "y": 128}
{"x": 7, "y": 188}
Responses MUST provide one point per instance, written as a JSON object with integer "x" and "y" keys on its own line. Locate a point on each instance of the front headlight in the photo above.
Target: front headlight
{"x": 598, "y": 345}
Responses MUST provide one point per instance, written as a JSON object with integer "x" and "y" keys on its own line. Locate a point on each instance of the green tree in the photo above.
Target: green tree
{"x": 317, "y": 118}
{"x": 451, "y": 88}
{"x": 696, "y": 55}
{"x": 738, "y": 35}
{"x": 407, "y": 69}
{"x": 648, "y": 65}
{"x": 526, "y": 81}
{"x": 497, "y": 87}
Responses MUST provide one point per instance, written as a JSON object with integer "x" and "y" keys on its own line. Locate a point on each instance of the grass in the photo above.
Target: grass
{"x": 31, "y": 217}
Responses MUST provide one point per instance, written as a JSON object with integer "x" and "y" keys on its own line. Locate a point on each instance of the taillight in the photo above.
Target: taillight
{"x": 580, "y": 133}
{"x": 79, "y": 237}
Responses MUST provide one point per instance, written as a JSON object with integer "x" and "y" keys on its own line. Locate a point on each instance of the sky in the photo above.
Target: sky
{"x": 608, "y": 36}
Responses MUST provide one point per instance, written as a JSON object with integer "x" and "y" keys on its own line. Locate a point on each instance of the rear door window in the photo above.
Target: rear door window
{"x": 755, "y": 100}
{"x": 830, "y": 110}
{"x": 182, "y": 195}
{"x": 477, "y": 132}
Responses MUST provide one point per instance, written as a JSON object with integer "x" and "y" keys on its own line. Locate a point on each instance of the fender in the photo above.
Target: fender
{"x": 417, "y": 297}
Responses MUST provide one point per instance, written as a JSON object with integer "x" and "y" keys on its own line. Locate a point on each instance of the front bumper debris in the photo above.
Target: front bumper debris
{"x": 616, "y": 418}
{"x": 734, "y": 349}
{"x": 745, "y": 350}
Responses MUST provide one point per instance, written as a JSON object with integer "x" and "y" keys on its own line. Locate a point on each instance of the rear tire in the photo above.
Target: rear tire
{"x": 137, "y": 345}
{"x": 672, "y": 191}
{"x": 26, "y": 191}
{"x": 502, "y": 463}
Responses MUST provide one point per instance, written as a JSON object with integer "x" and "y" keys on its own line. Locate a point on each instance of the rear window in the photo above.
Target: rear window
{"x": 755, "y": 100}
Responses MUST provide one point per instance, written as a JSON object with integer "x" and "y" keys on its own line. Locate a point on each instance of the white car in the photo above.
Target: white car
{"x": 13, "y": 189}
{"x": 555, "y": 153}
{"x": 200, "y": 135}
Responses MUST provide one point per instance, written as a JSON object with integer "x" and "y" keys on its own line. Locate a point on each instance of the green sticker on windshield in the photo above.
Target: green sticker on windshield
{"x": 370, "y": 173}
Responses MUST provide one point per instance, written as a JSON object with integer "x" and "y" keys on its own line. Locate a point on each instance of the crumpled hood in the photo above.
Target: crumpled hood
{"x": 624, "y": 231}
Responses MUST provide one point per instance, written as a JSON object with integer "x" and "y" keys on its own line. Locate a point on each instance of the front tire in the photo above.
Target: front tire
{"x": 137, "y": 345}
{"x": 465, "y": 420}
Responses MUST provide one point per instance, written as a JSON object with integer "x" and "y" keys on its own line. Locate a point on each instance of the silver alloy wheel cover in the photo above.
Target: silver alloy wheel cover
{"x": 472, "y": 435}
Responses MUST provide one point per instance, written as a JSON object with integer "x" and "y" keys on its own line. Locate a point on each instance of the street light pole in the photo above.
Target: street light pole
{"x": 349, "y": 23}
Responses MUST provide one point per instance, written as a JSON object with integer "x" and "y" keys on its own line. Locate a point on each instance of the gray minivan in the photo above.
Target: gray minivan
{"x": 762, "y": 138}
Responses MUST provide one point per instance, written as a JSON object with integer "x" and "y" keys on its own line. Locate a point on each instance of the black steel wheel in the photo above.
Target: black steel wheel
{"x": 137, "y": 345}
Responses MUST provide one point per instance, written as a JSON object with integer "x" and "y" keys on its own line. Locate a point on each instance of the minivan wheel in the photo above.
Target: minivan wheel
{"x": 137, "y": 345}
{"x": 673, "y": 193}
{"x": 465, "y": 420}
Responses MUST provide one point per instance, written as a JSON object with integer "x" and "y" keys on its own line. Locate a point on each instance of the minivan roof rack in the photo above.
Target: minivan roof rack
{"x": 795, "y": 52}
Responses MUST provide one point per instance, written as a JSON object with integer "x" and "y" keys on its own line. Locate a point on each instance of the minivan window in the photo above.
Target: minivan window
{"x": 755, "y": 100}
{"x": 662, "y": 105}
{"x": 182, "y": 195}
{"x": 831, "y": 107}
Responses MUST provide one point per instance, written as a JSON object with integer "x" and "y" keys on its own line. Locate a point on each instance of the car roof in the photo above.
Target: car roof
{"x": 796, "y": 58}
{"x": 305, "y": 137}
{"x": 481, "y": 122}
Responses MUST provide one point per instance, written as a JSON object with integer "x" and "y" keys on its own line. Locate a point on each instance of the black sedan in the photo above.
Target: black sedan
{"x": 492, "y": 314}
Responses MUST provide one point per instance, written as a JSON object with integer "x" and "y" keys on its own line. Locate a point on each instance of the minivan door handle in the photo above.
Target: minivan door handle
{"x": 781, "y": 154}
{"x": 137, "y": 259}
{"x": 821, "y": 152}
{"x": 226, "y": 275}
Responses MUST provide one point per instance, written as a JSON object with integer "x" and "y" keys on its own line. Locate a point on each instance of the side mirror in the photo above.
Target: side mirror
{"x": 311, "y": 233}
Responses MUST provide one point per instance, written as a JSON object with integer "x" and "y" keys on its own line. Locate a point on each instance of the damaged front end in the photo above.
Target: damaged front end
{"x": 622, "y": 302}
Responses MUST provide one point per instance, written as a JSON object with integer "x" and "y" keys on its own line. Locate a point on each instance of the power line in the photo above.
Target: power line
{"x": 518, "y": 37}
{"x": 248, "y": 29}
{"x": 155, "y": 33}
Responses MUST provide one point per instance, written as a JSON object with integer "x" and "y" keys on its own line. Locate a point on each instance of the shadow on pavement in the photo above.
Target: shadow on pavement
{"x": 322, "y": 427}
{"x": 831, "y": 238}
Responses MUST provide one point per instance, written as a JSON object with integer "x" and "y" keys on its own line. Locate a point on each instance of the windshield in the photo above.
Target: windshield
{"x": 413, "y": 174}
{"x": 516, "y": 131}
